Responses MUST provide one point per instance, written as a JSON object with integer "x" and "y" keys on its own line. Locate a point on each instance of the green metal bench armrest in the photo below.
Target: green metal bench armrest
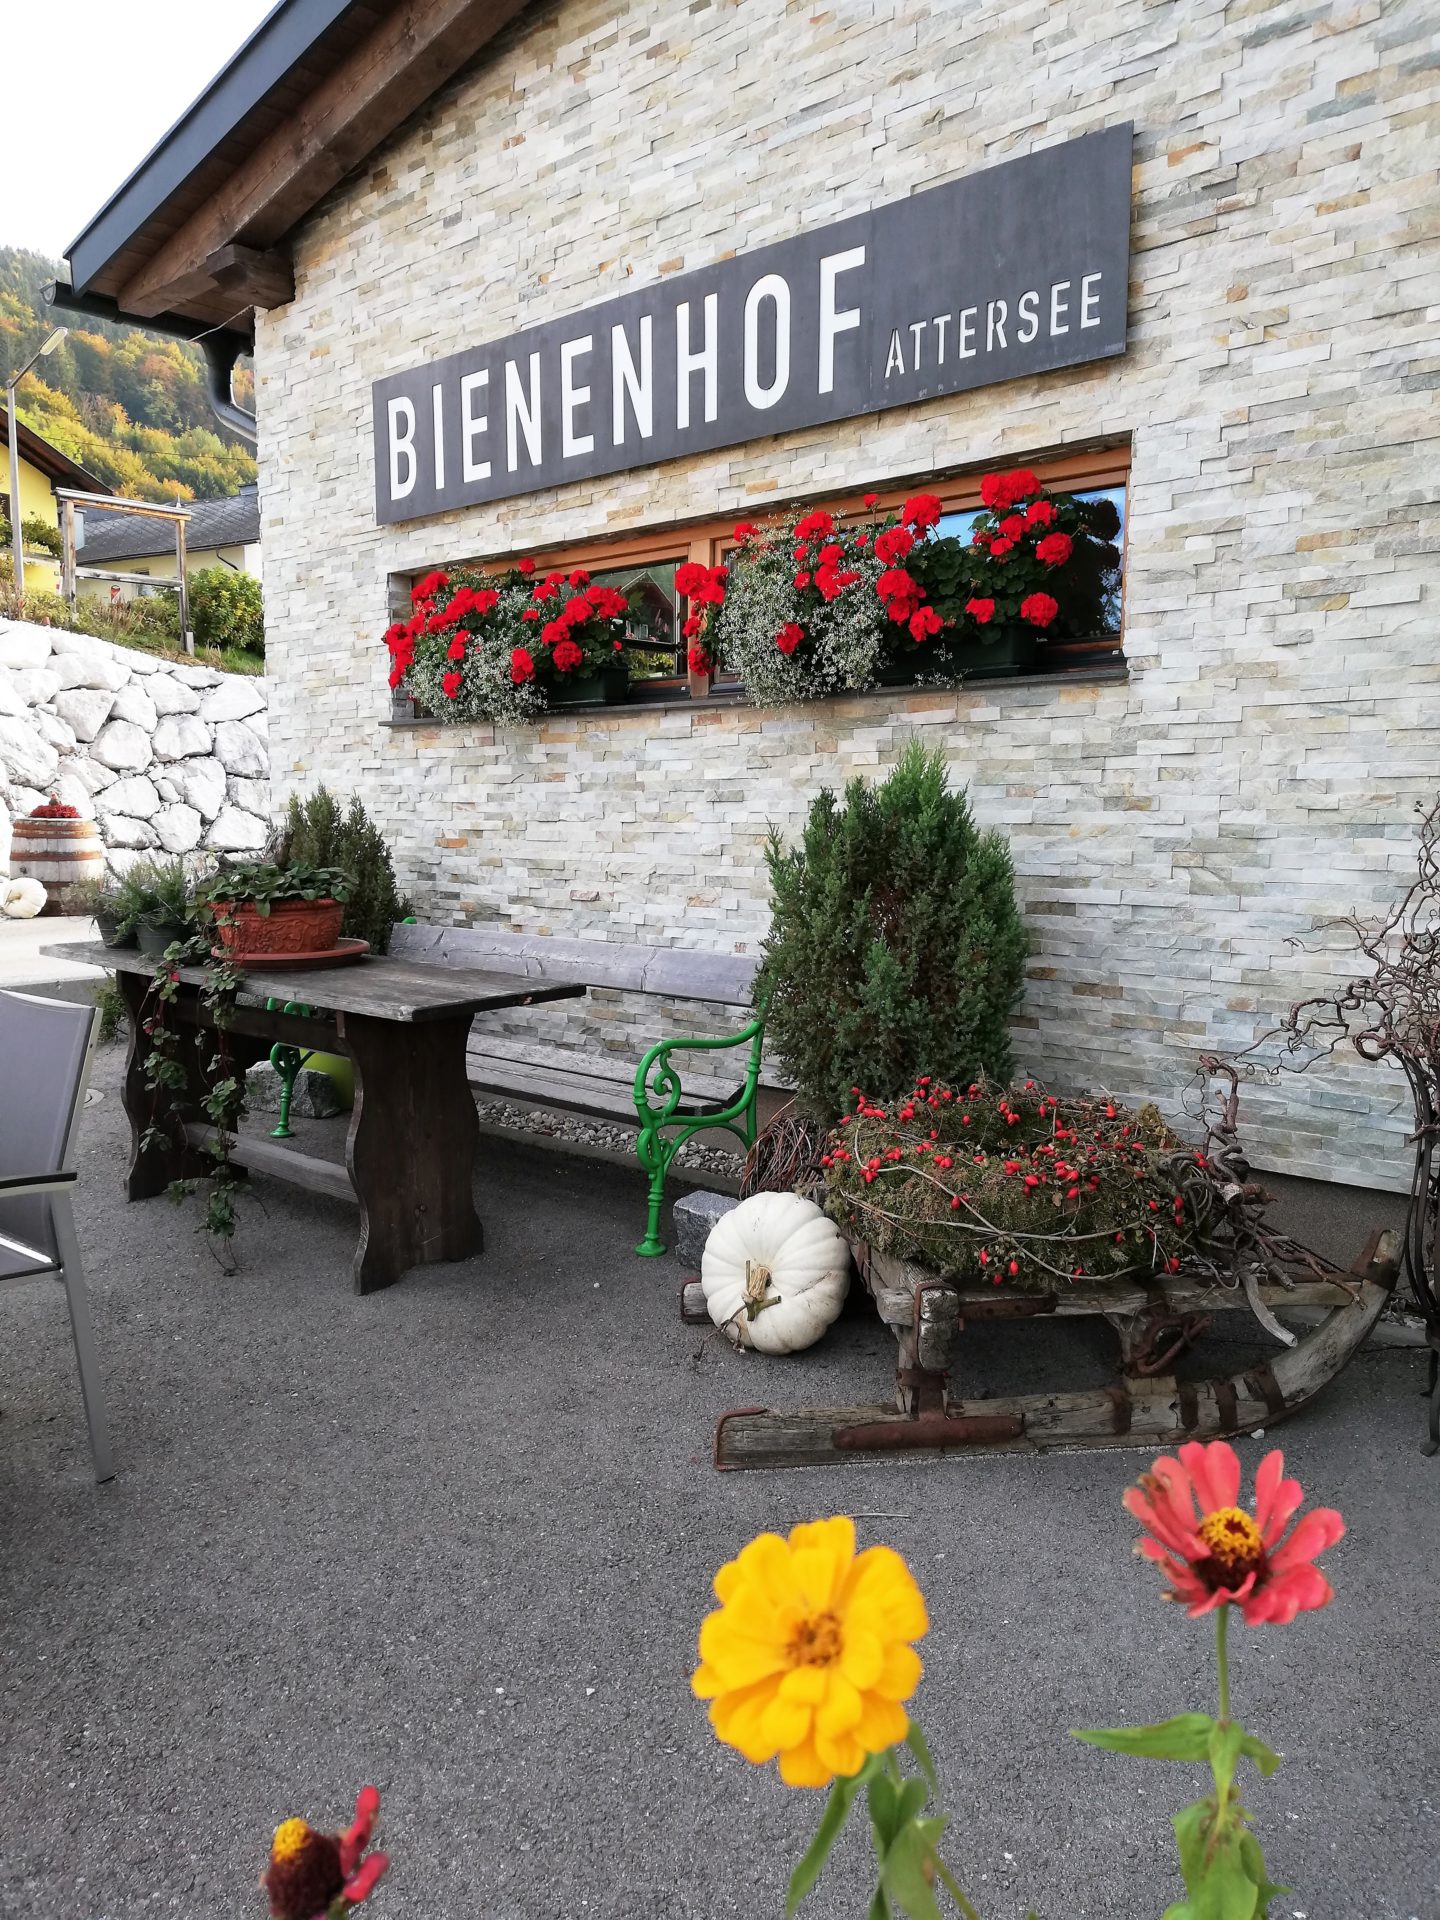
{"x": 658, "y": 1094}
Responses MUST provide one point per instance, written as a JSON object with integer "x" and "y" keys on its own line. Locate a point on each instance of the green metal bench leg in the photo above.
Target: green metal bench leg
{"x": 287, "y": 1062}
{"x": 656, "y": 1075}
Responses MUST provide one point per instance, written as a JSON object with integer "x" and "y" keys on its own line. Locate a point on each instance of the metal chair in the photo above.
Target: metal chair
{"x": 45, "y": 1048}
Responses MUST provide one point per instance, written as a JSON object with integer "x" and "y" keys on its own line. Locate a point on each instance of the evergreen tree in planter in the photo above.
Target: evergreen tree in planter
{"x": 315, "y": 830}
{"x": 895, "y": 948}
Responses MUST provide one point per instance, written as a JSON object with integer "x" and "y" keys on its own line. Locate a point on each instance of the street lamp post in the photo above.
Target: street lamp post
{"x": 17, "y": 543}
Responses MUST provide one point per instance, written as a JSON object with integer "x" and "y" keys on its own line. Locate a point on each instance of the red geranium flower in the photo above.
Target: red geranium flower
{"x": 450, "y": 684}
{"x": 981, "y": 611}
{"x": 922, "y": 510}
{"x": 925, "y": 623}
{"x": 578, "y": 610}
{"x": 527, "y": 565}
{"x": 745, "y": 531}
{"x": 1039, "y": 609}
{"x": 1054, "y": 549}
{"x": 456, "y": 648}
{"x": 872, "y": 499}
{"x": 893, "y": 545}
{"x": 690, "y": 577}
{"x": 522, "y": 667}
{"x": 813, "y": 524}
{"x": 698, "y": 660}
{"x": 695, "y": 624}
{"x": 567, "y": 656}
{"x": 531, "y": 613}
{"x": 1040, "y": 513}
{"x": 999, "y": 548}
{"x": 484, "y": 600}
{"x": 802, "y": 580}
{"x": 1215, "y": 1554}
{"x": 1013, "y": 526}
{"x": 608, "y": 602}
{"x": 579, "y": 578}
{"x": 553, "y": 632}
{"x": 1019, "y": 485}
{"x": 427, "y": 588}
{"x": 312, "y": 1875}
{"x": 789, "y": 637}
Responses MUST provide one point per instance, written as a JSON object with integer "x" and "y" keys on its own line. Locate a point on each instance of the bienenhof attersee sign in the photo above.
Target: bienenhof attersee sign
{"x": 1016, "y": 270}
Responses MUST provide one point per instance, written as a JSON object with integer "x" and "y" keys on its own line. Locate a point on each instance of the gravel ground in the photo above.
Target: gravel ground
{"x": 456, "y": 1537}
{"x": 694, "y": 1156}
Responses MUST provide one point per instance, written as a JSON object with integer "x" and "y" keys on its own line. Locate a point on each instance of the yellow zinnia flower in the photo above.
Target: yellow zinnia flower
{"x": 809, "y": 1655}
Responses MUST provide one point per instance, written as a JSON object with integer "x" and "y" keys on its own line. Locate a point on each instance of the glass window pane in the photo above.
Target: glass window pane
{"x": 652, "y": 632}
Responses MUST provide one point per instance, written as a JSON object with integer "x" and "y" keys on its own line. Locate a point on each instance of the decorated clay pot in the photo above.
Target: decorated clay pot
{"x": 291, "y": 926}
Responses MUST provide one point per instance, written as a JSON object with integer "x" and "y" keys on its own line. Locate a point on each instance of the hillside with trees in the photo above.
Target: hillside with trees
{"x": 127, "y": 405}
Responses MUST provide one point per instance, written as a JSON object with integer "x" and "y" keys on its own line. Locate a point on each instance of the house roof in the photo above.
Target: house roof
{"x": 233, "y": 522}
{"x": 199, "y": 229}
{"x": 48, "y": 460}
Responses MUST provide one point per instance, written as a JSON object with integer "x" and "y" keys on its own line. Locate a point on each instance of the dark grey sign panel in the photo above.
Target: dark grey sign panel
{"x": 1016, "y": 270}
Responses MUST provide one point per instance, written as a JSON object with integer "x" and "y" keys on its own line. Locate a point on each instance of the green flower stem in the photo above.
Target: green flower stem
{"x": 953, "y": 1890}
{"x": 1222, "y": 1628}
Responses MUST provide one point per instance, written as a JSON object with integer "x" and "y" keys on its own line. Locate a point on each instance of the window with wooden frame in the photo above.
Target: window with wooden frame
{"x": 643, "y": 565}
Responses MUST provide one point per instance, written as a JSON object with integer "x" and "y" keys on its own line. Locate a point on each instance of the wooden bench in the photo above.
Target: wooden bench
{"x": 601, "y": 1084}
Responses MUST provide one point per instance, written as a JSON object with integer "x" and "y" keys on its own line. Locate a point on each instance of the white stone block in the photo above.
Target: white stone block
{"x": 179, "y": 736}
{"x": 133, "y": 703}
{"x": 135, "y": 794}
{"x": 252, "y": 795}
{"x": 23, "y": 646}
{"x": 121, "y": 831}
{"x": 54, "y": 729}
{"x": 84, "y": 709}
{"x": 34, "y": 684}
{"x": 178, "y": 828}
{"x": 234, "y": 699}
{"x": 122, "y": 745}
{"x": 237, "y": 832}
{"x": 170, "y": 695}
{"x": 200, "y": 784}
{"x": 83, "y": 670}
{"x": 26, "y": 757}
{"x": 91, "y": 775}
{"x": 240, "y": 750}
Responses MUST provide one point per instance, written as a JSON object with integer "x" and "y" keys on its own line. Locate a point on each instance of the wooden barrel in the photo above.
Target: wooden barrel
{"x": 58, "y": 853}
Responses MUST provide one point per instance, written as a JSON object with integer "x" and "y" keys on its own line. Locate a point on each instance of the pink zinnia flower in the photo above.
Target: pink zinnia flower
{"x": 1213, "y": 1552}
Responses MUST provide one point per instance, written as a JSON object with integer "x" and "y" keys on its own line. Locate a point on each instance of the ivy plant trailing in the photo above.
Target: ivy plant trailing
{"x": 222, "y": 1095}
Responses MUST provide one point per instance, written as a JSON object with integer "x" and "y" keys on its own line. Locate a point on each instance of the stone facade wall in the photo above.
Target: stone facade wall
{"x": 166, "y": 756}
{"x": 1254, "y": 775}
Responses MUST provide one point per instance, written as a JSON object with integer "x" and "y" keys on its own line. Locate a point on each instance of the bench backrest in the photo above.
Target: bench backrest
{"x": 676, "y": 973}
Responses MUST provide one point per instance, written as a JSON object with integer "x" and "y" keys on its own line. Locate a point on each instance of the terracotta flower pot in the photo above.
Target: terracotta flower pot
{"x": 291, "y": 926}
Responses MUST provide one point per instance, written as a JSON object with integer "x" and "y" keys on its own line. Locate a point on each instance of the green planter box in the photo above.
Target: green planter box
{"x": 606, "y": 687}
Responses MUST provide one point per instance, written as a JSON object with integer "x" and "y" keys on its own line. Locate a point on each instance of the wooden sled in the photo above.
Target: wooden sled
{"x": 1148, "y": 1407}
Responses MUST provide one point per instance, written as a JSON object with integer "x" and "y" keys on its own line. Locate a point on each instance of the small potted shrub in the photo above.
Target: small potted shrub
{"x": 260, "y": 908}
{"x": 154, "y": 905}
{"x": 103, "y": 901}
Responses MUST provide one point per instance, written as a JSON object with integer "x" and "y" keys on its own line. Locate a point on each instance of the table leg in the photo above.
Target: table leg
{"x": 155, "y": 1163}
{"x": 411, "y": 1148}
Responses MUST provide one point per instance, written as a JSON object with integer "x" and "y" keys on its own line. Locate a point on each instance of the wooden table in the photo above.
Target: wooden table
{"x": 410, "y": 1151}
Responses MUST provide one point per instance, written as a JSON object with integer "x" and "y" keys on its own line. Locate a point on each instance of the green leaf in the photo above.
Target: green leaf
{"x": 837, "y": 1811}
{"x": 879, "y": 1908}
{"x": 884, "y": 1810}
{"x": 1192, "y": 1829}
{"x": 1225, "y": 1890}
{"x": 903, "y": 1876}
{"x": 913, "y": 1796}
{"x": 1186, "y": 1737}
{"x": 1257, "y": 1751}
{"x": 915, "y": 1741}
{"x": 1223, "y": 1750}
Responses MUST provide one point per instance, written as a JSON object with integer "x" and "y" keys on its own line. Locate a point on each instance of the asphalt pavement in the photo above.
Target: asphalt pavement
{"x": 455, "y": 1538}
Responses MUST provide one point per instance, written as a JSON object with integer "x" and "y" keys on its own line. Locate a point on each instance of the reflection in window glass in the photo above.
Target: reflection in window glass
{"x": 963, "y": 524}
{"x": 652, "y": 631}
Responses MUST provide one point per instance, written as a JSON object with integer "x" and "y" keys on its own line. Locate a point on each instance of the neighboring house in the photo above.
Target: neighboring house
{"x": 219, "y": 533}
{"x": 42, "y": 469}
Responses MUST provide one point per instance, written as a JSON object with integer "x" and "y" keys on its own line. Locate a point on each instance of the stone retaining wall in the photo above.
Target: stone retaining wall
{"x": 166, "y": 756}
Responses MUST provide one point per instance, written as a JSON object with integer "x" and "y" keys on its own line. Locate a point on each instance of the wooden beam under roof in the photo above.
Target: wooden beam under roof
{"x": 410, "y": 54}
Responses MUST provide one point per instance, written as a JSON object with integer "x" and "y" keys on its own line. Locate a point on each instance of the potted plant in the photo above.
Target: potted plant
{"x": 154, "y": 905}
{"x": 1036, "y": 567}
{"x": 103, "y": 901}
{"x": 260, "y": 908}
{"x": 581, "y": 631}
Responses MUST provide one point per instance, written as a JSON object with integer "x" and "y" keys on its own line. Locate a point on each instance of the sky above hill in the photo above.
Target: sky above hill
{"x": 94, "y": 85}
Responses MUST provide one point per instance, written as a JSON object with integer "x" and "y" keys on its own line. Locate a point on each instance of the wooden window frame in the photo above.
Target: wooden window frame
{"x": 709, "y": 541}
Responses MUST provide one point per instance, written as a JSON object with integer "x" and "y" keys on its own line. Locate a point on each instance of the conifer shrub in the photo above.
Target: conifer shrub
{"x": 895, "y": 946}
{"x": 316, "y": 832}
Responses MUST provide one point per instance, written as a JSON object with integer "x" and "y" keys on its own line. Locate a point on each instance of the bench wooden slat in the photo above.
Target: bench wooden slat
{"x": 676, "y": 973}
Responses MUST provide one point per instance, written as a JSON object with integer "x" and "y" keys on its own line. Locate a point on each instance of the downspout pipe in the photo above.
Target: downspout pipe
{"x": 221, "y": 346}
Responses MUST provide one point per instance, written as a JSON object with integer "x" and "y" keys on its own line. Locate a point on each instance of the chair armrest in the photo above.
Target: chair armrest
{"x": 13, "y": 1183}
{"x": 658, "y": 1077}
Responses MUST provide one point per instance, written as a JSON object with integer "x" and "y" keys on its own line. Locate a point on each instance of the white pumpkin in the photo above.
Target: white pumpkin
{"x": 775, "y": 1272}
{"x": 21, "y": 899}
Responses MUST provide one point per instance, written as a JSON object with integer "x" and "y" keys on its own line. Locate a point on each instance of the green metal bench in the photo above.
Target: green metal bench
{"x": 603, "y": 1083}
